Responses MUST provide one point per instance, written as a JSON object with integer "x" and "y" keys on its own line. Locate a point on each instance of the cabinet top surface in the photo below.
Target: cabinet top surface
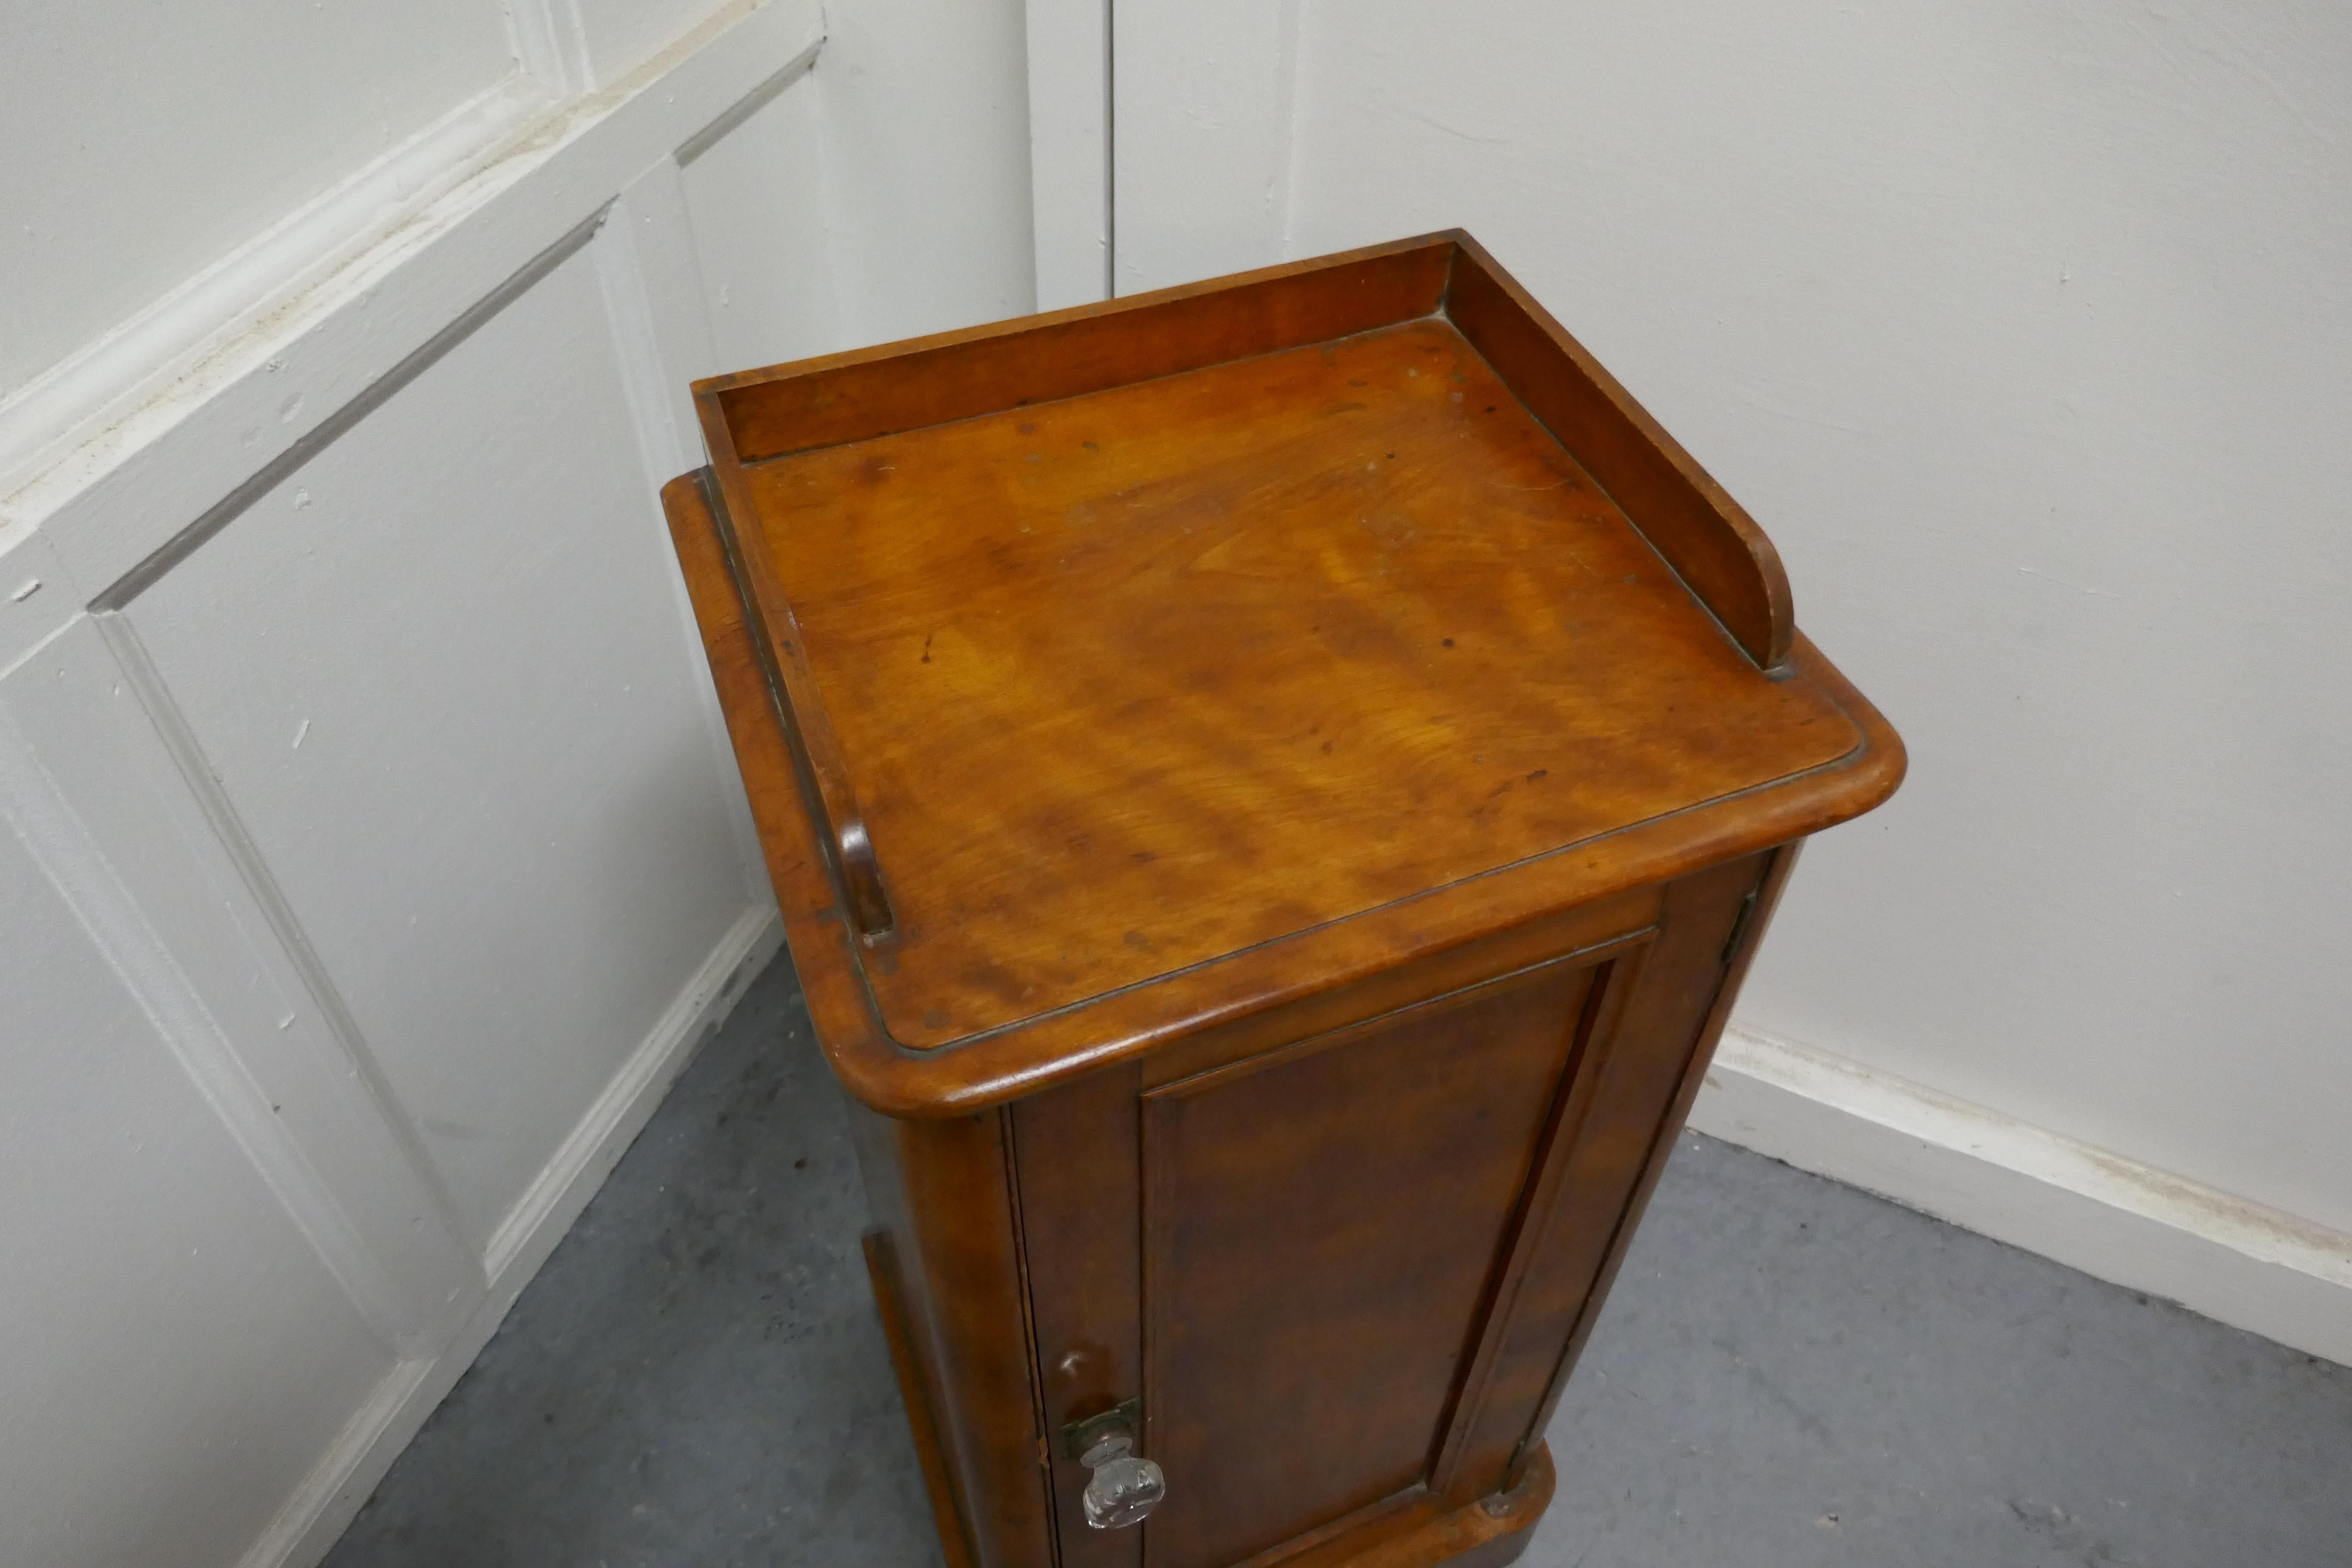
{"x": 1133, "y": 679}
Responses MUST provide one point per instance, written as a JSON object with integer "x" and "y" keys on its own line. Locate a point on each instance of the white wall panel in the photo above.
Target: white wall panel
{"x": 144, "y": 141}
{"x": 273, "y": 1057}
{"x": 438, "y": 674}
{"x": 1069, "y": 148}
{"x": 754, "y": 197}
{"x": 177, "y": 1356}
{"x": 927, "y": 138}
{"x": 616, "y": 36}
{"x": 1203, "y": 102}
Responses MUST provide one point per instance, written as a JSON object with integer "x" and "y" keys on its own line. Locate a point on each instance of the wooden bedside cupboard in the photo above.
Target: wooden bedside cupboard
{"x": 1272, "y": 788}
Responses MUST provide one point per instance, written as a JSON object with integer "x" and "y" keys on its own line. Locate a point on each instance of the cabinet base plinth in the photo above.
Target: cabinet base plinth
{"x": 1423, "y": 1532}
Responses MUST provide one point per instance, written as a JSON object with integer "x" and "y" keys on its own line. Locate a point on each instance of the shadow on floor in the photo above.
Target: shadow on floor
{"x": 1790, "y": 1374}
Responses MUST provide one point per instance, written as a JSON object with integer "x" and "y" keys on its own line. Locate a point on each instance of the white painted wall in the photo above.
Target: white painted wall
{"x": 370, "y": 854}
{"x": 2027, "y": 333}
{"x": 763, "y": 268}
{"x": 1069, "y": 44}
{"x": 269, "y": 102}
{"x": 926, "y": 141}
{"x": 448, "y": 703}
{"x": 1205, "y": 97}
{"x": 166, "y": 1325}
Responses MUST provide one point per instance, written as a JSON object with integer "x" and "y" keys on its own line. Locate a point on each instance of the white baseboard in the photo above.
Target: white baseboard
{"x": 316, "y": 1516}
{"x": 2255, "y": 1269}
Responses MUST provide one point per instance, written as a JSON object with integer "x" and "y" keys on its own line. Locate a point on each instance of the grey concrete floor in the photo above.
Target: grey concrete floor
{"x": 1790, "y": 1373}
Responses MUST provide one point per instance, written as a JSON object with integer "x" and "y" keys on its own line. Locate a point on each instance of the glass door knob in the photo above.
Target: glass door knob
{"x": 1124, "y": 1487}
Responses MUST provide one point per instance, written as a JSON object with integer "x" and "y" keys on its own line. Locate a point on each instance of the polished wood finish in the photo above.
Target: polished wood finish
{"x": 1272, "y": 787}
{"x": 1705, "y": 536}
{"x": 1077, "y": 1152}
{"x": 1324, "y": 1318}
{"x": 882, "y": 1273}
{"x": 1399, "y": 567}
{"x": 940, "y": 1196}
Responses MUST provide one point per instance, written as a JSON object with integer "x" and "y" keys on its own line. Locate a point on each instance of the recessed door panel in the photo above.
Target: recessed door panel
{"x": 1323, "y": 1229}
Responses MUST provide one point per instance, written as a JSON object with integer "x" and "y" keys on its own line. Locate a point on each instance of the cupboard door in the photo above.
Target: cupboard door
{"x": 1076, "y": 1164}
{"x": 1347, "y": 1274}
{"x": 1324, "y": 1227}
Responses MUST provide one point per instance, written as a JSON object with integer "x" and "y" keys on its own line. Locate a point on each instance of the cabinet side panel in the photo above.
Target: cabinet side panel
{"x": 1324, "y": 1226}
{"x": 1075, "y": 1150}
{"x": 900, "y": 1288}
{"x": 1652, "y": 1044}
{"x": 1747, "y": 934}
{"x": 941, "y": 1192}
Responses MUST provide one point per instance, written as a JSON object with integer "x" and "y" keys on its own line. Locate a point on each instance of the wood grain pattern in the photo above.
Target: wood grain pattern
{"x": 825, "y": 777}
{"x": 1076, "y": 1158}
{"x": 1749, "y": 937}
{"x": 1655, "y": 1040}
{"x": 1323, "y": 1226}
{"x": 940, "y": 1196}
{"x": 867, "y": 392}
{"x": 1144, "y": 678}
{"x": 1058, "y": 1047}
{"x": 1594, "y": 933}
{"x": 915, "y": 1391}
{"x": 1705, "y": 535}
{"x": 1456, "y": 1471}
{"x": 1271, "y": 790}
